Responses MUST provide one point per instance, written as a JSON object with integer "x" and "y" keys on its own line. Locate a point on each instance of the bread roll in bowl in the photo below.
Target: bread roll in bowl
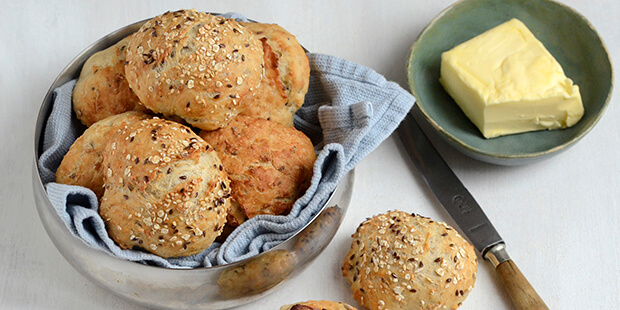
{"x": 269, "y": 165}
{"x": 83, "y": 163}
{"x": 102, "y": 89}
{"x": 166, "y": 190}
{"x": 287, "y": 75}
{"x": 194, "y": 65}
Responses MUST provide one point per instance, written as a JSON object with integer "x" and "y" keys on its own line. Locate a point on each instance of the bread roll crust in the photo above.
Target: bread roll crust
{"x": 403, "y": 261}
{"x": 83, "y": 163}
{"x": 166, "y": 190}
{"x": 287, "y": 75}
{"x": 318, "y": 305}
{"x": 102, "y": 89}
{"x": 269, "y": 165}
{"x": 194, "y": 65}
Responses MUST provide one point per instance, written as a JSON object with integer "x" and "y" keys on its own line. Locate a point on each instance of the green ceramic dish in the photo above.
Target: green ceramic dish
{"x": 569, "y": 37}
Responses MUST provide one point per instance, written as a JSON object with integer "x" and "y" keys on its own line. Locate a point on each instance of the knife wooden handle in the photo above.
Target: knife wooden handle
{"x": 520, "y": 290}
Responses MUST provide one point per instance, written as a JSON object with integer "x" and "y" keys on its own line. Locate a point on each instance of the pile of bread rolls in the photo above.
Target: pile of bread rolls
{"x": 190, "y": 133}
{"x": 190, "y": 130}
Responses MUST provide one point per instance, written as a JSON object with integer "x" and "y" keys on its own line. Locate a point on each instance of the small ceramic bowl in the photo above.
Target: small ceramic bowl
{"x": 570, "y": 38}
{"x": 219, "y": 287}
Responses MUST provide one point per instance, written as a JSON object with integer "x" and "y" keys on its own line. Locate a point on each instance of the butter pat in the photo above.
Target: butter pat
{"x": 507, "y": 82}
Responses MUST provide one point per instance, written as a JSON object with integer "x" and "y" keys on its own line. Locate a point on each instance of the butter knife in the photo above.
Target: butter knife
{"x": 464, "y": 209}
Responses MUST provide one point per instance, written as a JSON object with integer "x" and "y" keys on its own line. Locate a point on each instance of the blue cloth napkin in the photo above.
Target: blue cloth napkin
{"x": 348, "y": 111}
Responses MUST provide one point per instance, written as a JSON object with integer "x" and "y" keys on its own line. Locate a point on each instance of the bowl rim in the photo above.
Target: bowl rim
{"x": 477, "y": 152}
{"x": 41, "y": 121}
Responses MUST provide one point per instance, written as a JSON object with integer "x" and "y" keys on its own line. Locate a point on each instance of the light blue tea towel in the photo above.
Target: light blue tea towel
{"x": 348, "y": 111}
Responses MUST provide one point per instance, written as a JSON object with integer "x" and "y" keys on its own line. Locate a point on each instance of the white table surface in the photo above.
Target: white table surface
{"x": 559, "y": 217}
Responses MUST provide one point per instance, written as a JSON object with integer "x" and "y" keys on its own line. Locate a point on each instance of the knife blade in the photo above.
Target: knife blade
{"x": 464, "y": 210}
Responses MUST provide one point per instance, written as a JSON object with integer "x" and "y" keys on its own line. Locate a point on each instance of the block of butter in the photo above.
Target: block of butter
{"x": 507, "y": 82}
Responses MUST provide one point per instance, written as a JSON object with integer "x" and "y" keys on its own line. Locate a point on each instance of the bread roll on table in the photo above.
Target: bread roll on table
{"x": 403, "y": 261}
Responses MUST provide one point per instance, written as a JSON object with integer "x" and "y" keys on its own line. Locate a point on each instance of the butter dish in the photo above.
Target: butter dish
{"x": 507, "y": 82}
{"x": 566, "y": 34}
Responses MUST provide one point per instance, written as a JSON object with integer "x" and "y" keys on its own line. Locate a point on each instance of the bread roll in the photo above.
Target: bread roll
{"x": 403, "y": 261}
{"x": 318, "y": 305}
{"x": 165, "y": 189}
{"x": 102, "y": 89}
{"x": 269, "y": 165}
{"x": 83, "y": 163}
{"x": 287, "y": 75}
{"x": 194, "y": 65}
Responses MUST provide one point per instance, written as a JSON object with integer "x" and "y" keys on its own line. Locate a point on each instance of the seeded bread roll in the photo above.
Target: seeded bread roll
{"x": 102, "y": 89}
{"x": 166, "y": 190}
{"x": 287, "y": 75}
{"x": 194, "y": 65}
{"x": 401, "y": 261}
{"x": 269, "y": 165}
{"x": 82, "y": 165}
{"x": 318, "y": 305}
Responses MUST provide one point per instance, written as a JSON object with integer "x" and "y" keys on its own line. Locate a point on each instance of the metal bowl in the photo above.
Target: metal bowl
{"x": 218, "y": 287}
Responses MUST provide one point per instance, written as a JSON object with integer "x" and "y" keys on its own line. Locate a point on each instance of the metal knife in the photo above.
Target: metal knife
{"x": 465, "y": 211}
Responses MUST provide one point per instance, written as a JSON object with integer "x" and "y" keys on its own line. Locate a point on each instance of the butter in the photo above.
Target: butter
{"x": 507, "y": 82}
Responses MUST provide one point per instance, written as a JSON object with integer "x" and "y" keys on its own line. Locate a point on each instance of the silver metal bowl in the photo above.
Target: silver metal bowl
{"x": 216, "y": 287}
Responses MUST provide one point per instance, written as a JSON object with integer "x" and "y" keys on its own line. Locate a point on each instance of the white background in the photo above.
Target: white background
{"x": 558, "y": 217}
